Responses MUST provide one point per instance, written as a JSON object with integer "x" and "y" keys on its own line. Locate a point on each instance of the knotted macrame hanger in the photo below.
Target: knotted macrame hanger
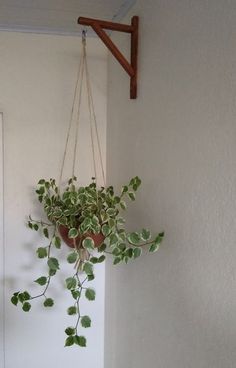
{"x": 83, "y": 73}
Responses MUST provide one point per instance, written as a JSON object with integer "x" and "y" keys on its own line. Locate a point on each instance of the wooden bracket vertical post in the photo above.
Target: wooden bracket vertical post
{"x": 130, "y": 67}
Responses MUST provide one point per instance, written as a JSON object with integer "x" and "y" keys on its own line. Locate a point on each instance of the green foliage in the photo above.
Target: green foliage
{"x": 26, "y": 295}
{"x": 101, "y": 259}
{"x": 83, "y": 209}
{"x": 88, "y": 268}
{"x": 88, "y": 213}
{"x": 14, "y": 300}
{"x": 102, "y": 248}
{"x": 145, "y": 235}
{"x": 26, "y": 306}
{"x": 85, "y": 321}
{"x": 75, "y": 293}
{"x": 93, "y": 260}
{"x": 45, "y": 232}
{"x": 73, "y": 233}
{"x": 42, "y": 252}
{"x": 48, "y": 302}
{"x": 57, "y": 242}
{"x": 90, "y": 294}
{"x": 88, "y": 244}
{"x": 71, "y": 310}
{"x": 70, "y": 331}
{"x": 41, "y": 280}
{"x": 23, "y": 296}
{"x": 90, "y": 277}
{"x": 153, "y": 247}
{"x": 106, "y": 229}
{"x": 117, "y": 260}
{"x": 69, "y": 341}
{"x": 131, "y": 196}
{"x": 123, "y": 205}
{"x": 137, "y": 252}
{"x": 159, "y": 238}
{"x": 72, "y": 257}
{"x": 156, "y": 244}
{"x": 71, "y": 283}
{"x": 80, "y": 340}
{"x": 53, "y": 264}
{"x": 52, "y": 272}
{"x": 134, "y": 238}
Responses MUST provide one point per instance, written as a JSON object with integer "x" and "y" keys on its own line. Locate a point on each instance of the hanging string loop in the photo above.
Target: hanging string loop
{"x": 83, "y": 73}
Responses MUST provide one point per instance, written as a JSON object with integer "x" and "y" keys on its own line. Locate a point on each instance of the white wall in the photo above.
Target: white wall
{"x": 2, "y": 265}
{"x": 176, "y": 308}
{"x": 37, "y": 78}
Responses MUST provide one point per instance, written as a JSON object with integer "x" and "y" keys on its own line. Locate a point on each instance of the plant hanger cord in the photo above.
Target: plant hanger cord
{"x": 93, "y": 117}
{"x": 90, "y": 112}
{"x": 83, "y": 69}
{"x": 71, "y": 120}
{"x": 78, "y": 110}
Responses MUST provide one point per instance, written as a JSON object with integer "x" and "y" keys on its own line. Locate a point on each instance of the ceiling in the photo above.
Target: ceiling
{"x": 57, "y": 16}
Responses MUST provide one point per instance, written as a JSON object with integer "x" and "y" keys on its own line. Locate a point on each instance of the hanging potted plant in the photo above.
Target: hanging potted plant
{"x": 89, "y": 219}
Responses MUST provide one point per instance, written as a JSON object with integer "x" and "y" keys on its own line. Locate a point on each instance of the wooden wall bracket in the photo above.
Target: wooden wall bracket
{"x": 130, "y": 67}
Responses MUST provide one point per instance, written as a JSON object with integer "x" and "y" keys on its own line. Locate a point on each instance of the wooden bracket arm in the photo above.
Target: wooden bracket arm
{"x": 131, "y": 68}
{"x": 114, "y": 50}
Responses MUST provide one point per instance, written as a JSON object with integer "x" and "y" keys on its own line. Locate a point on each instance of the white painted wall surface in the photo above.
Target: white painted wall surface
{"x": 37, "y": 77}
{"x": 2, "y": 256}
{"x": 176, "y": 308}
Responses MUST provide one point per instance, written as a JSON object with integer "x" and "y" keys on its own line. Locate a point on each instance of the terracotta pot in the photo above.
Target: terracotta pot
{"x": 63, "y": 231}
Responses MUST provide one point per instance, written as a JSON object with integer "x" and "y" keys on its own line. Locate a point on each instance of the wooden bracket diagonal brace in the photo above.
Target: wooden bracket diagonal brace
{"x": 130, "y": 67}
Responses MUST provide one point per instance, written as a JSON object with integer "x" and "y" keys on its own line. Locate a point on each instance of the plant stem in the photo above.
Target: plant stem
{"x": 141, "y": 245}
{"x": 78, "y": 299}
{"x": 45, "y": 289}
{"x": 49, "y": 277}
{"x": 40, "y": 222}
